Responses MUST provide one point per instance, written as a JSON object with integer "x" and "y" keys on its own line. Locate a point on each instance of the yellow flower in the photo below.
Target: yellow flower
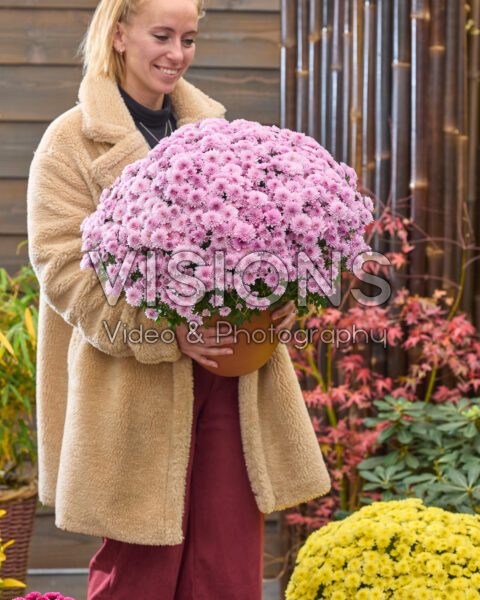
{"x": 432, "y": 555}
{"x": 455, "y": 570}
{"x": 476, "y": 580}
{"x": 352, "y": 580}
{"x": 434, "y": 566}
{"x": 354, "y": 564}
{"x": 370, "y": 568}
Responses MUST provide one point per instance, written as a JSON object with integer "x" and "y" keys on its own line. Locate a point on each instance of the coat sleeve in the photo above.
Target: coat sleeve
{"x": 58, "y": 200}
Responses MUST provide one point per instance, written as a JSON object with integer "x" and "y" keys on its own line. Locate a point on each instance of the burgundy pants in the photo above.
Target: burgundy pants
{"x": 221, "y": 557}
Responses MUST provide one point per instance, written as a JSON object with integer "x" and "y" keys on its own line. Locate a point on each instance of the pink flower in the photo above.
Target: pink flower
{"x": 134, "y": 296}
{"x": 300, "y": 223}
{"x": 244, "y": 231}
{"x": 233, "y": 186}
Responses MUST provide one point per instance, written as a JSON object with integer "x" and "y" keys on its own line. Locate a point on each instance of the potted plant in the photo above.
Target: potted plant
{"x": 7, "y": 582}
{"x": 46, "y": 596}
{"x": 18, "y": 458}
{"x": 225, "y": 220}
{"x": 391, "y": 550}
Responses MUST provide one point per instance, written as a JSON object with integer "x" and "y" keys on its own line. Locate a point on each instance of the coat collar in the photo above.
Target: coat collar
{"x": 106, "y": 119}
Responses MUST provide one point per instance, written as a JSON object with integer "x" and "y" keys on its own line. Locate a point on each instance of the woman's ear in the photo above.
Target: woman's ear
{"x": 119, "y": 38}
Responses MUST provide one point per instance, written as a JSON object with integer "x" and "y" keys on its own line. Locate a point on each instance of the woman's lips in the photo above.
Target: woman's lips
{"x": 166, "y": 72}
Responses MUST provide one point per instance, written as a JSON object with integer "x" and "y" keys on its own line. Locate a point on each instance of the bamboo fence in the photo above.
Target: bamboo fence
{"x": 392, "y": 87}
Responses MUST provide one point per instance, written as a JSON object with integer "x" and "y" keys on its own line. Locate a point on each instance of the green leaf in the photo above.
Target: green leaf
{"x": 419, "y": 478}
{"x": 451, "y": 426}
{"x": 371, "y": 421}
{"x": 387, "y": 434}
{"x": 412, "y": 461}
{"x": 457, "y": 478}
{"x": 470, "y": 431}
{"x": 373, "y": 486}
{"x": 472, "y": 474}
{"x": 404, "y": 436}
{"x": 339, "y": 515}
{"x": 392, "y": 458}
{"x": 371, "y": 463}
{"x": 369, "y": 476}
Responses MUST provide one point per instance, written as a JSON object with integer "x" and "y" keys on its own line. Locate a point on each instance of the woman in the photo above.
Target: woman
{"x": 171, "y": 465}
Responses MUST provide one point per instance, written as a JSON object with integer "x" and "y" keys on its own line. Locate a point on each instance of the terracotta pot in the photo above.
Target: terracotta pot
{"x": 255, "y": 342}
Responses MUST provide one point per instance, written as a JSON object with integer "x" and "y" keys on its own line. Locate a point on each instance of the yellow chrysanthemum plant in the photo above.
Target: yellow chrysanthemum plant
{"x": 7, "y": 582}
{"x": 398, "y": 550}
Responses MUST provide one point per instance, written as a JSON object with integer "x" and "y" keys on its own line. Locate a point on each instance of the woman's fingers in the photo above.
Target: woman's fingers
{"x": 209, "y": 351}
{"x": 283, "y": 310}
{"x": 286, "y": 323}
{"x": 204, "y": 361}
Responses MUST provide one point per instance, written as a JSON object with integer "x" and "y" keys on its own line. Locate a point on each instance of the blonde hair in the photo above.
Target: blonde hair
{"x": 96, "y": 48}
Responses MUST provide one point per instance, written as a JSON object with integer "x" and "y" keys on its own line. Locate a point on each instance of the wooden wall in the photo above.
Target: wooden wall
{"x": 237, "y": 62}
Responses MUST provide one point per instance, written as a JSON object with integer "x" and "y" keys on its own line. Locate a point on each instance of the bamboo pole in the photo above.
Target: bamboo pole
{"x": 401, "y": 68}
{"x": 465, "y": 229}
{"x": 324, "y": 70}
{"x": 450, "y": 128}
{"x": 302, "y": 66}
{"x": 420, "y": 19}
{"x": 336, "y": 79}
{"x": 288, "y": 53}
{"x": 465, "y": 208}
{"x": 473, "y": 149}
{"x": 346, "y": 83}
{"x": 356, "y": 100}
{"x": 314, "y": 37}
{"x": 368, "y": 95}
{"x": 383, "y": 91}
{"x": 436, "y": 150}
{"x": 400, "y": 142}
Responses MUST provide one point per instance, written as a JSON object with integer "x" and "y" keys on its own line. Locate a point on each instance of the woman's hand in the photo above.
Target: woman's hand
{"x": 288, "y": 313}
{"x": 203, "y": 343}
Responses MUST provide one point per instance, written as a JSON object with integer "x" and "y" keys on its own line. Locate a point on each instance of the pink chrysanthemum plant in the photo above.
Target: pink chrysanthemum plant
{"x": 227, "y": 218}
{"x": 46, "y": 596}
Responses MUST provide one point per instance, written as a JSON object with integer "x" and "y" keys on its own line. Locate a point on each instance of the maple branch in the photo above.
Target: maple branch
{"x": 313, "y": 369}
{"x": 437, "y": 277}
{"x": 462, "y": 286}
{"x": 452, "y": 312}
{"x": 329, "y": 366}
{"x": 471, "y": 260}
{"x": 445, "y": 239}
{"x": 353, "y": 495}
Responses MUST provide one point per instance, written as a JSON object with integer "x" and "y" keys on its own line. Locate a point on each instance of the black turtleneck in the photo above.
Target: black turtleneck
{"x": 153, "y": 120}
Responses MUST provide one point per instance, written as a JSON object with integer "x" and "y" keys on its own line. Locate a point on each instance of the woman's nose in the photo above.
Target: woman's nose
{"x": 175, "y": 52}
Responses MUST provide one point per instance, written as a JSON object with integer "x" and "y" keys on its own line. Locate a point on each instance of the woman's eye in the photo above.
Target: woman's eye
{"x": 161, "y": 37}
{"x": 189, "y": 42}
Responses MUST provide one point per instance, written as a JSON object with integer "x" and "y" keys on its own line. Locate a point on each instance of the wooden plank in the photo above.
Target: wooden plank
{"x": 9, "y": 259}
{"x": 243, "y": 39}
{"x": 13, "y": 206}
{"x": 17, "y": 143}
{"x": 53, "y": 88}
{"x": 247, "y": 93}
{"x": 44, "y": 36}
{"x": 253, "y": 5}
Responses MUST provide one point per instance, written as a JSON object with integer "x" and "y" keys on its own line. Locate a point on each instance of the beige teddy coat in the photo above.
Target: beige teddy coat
{"x": 114, "y": 419}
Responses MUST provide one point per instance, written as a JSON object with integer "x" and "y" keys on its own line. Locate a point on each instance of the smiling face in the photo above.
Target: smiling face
{"x": 158, "y": 45}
